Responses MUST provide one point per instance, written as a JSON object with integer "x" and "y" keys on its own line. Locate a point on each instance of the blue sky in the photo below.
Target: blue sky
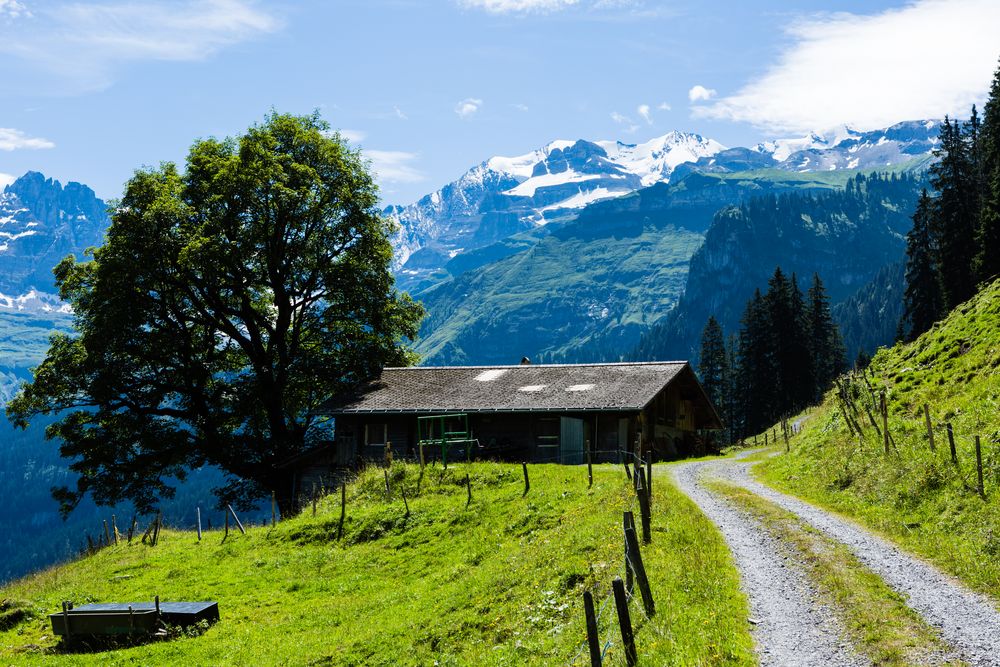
{"x": 89, "y": 91}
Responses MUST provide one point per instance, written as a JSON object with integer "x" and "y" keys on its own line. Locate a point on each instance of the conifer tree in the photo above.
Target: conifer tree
{"x": 756, "y": 379}
{"x": 954, "y": 217}
{"x": 827, "y": 347}
{"x": 712, "y": 365}
{"x": 988, "y": 232}
{"x": 922, "y": 300}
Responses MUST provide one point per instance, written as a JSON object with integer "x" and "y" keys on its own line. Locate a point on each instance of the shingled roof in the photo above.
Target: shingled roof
{"x": 621, "y": 387}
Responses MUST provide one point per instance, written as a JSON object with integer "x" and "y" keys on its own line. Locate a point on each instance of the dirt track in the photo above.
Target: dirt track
{"x": 793, "y": 628}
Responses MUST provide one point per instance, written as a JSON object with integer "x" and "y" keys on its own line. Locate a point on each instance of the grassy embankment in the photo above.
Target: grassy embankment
{"x": 917, "y": 497}
{"x": 498, "y": 582}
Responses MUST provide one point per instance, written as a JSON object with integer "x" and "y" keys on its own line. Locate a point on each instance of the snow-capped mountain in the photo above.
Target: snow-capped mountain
{"x": 41, "y": 222}
{"x": 506, "y": 195}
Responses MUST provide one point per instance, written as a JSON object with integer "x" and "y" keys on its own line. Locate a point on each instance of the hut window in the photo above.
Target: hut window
{"x": 377, "y": 433}
{"x": 547, "y": 438}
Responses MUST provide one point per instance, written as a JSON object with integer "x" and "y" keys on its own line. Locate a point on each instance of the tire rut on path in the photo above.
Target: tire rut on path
{"x": 968, "y": 621}
{"x": 793, "y": 627}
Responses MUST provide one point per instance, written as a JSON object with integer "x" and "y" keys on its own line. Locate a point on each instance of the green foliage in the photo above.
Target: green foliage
{"x": 914, "y": 495}
{"x": 498, "y": 583}
{"x": 922, "y": 301}
{"x": 712, "y": 361}
{"x": 228, "y": 302}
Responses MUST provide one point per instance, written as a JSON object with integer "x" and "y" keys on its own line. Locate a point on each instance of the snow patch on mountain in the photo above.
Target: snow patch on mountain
{"x": 34, "y": 302}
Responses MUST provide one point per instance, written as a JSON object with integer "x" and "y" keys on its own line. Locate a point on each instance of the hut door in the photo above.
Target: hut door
{"x": 571, "y": 440}
{"x": 623, "y": 444}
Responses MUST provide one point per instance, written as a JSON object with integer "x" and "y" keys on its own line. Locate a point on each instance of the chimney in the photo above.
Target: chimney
{"x": 525, "y": 361}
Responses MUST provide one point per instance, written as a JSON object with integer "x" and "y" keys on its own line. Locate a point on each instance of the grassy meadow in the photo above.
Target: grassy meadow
{"x": 497, "y": 582}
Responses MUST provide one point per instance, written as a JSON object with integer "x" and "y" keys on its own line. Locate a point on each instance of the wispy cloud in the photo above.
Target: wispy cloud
{"x": 12, "y": 140}
{"x": 646, "y": 113}
{"x": 630, "y": 125}
{"x": 468, "y": 107}
{"x": 87, "y": 43}
{"x": 394, "y": 166}
{"x": 520, "y": 107}
{"x": 865, "y": 71}
{"x": 5, "y": 180}
{"x": 517, "y": 6}
{"x": 12, "y": 9}
{"x": 663, "y": 106}
{"x": 354, "y": 136}
{"x": 700, "y": 93}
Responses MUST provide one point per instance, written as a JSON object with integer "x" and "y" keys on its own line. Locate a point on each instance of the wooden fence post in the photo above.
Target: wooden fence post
{"x": 593, "y": 641}
{"x": 343, "y": 509}
{"x": 239, "y": 524}
{"x": 114, "y": 528}
{"x": 274, "y": 510}
{"x": 590, "y": 468}
{"x": 628, "y": 523}
{"x": 624, "y": 622}
{"x": 979, "y": 471}
{"x": 885, "y": 421}
{"x": 649, "y": 481}
{"x": 468, "y": 487}
{"x": 527, "y": 484}
{"x": 197, "y": 511}
{"x": 227, "y": 528}
{"x": 642, "y": 493}
{"x": 635, "y": 562}
{"x": 131, "y": 529}
{"x": 951, "y": 444}
{"x": 927, "y": 420}
{"x": 107, "y": 535}
{"x": 402, "y": 492}
{"x": 385, "y": 473}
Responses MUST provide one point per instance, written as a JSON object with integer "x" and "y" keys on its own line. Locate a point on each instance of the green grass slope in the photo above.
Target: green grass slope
{"x": 916, "y": 496}
{"x": 499, "y": 582}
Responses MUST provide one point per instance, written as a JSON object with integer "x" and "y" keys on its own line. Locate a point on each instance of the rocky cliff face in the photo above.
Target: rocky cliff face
{"x": 41, "y": 222}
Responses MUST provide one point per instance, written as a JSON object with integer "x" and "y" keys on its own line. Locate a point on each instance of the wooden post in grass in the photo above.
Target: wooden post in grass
{"x": 468, "y": 487}
{"x": 628, "y": 523}
{"x": 239, "y": 524}
{"x": 107, "y": 535}
{"x": 343, "y": 509}
{"x": 643, "y": 494}
{"x": 649, "y": 481}
{"x": 421, "y": 457}
{"x": 765, "y": 439}
{"x": 627, "y": 473}
{"x": 114, "y": 528}
{"x": 979, "y": 471}
{"x": 635, "y": 562}
{"x": 885, "y": 421}
{"x": 951, "y": 443}
{"x": 227, "y": 528}
{"x": 590, "y": 467}
{"x": 402, "y": 492}
{"x": 156, "y": 529}
{"x": 527, "y": 484}
{"x": 593, "y": 640}
{"x": 385, "y": 473}
{"x": 274, "y": 510}
{"x": 624, "y": 622}
{"x": 131, "y": 529}
{"x": 927, "y": 421}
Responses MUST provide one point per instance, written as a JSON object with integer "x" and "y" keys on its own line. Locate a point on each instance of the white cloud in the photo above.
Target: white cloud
{"x": 520, "y": 107}
{"x": 12, "y": 9}
{"x": 468, "y": 107}
{"x": 86, "y": 43}
{"x": 12, "y": 140}
{"x": 354, "y": 136}
{"x": 924, "y": 60}
{"x": 646, "y": 113}
{"x": 517, "y": 6}
{"x": 398, "y": 113}
{"x": 5, "y": 180}
{"x": 394, "y": 166}
{"x": 663, "y": 106}
{"x": 700, "y": 93}
{"x": 622, "y": 119}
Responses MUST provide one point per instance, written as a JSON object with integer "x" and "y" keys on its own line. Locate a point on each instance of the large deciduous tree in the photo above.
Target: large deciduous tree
{"x": 229, "y": 301}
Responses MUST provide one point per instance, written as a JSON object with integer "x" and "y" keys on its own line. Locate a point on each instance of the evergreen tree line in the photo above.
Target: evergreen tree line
{"x": 787, "y": 352}
{"x": 954, "y": 244}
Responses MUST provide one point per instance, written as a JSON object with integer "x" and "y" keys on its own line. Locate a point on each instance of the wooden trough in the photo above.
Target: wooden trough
{"x": 134, "y": 618}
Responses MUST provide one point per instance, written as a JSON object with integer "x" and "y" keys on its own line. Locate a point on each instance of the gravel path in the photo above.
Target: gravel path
{"x": 967, "y": 621}
{"x": 793, "y": 628}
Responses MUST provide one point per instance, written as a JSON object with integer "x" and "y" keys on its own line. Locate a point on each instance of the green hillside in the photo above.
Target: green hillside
{"x": 497, "y": 582}
{"x": 914, "y": 495}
